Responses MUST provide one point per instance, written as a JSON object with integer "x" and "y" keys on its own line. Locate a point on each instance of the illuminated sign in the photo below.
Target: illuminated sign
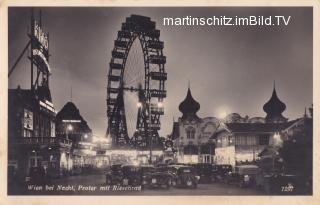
{"x": 47, "y": 106}
{"x": 28, "y": 119}
{"x": 42, "y": 37}
{"x": 71, "y": 120}
{"x": 37, "y": 52}
{"x": 40, "y": 46}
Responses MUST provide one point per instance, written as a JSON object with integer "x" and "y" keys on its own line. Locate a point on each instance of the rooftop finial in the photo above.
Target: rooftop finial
{"x": 274, "y": 107}
{"x": 274, "y": 84}
{"x": 71, "y": 93}
{"x": 188, "y": 84}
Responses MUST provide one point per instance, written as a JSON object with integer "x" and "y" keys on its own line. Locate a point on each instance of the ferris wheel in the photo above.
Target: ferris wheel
{"x": 136, "y": 85}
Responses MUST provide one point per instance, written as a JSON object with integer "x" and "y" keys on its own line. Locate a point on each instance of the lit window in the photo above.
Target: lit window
{"x": 190, "y": 131}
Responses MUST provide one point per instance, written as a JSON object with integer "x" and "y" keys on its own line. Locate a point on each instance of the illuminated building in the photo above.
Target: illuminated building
{"x": 191, "y": 134}
{"x": 32, "y": 141}
{"x": 240, "y": 140}
{"x": 233, "y": 140}
{"x": 71, "y": 125}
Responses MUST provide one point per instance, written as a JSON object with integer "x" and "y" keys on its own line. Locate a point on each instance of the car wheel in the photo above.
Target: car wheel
{"x": 174, "y": 183}
{"x": 108, "y": 181}
{"x": 135, "y": 183}
{"x": 168, "y": 185}
{"x": 266, "y": 188}
{"x": 178, "y": 182}
{"x": 189, "y": 183}
{"x": 195, "y": 185}
{"x": 213, "y": 179}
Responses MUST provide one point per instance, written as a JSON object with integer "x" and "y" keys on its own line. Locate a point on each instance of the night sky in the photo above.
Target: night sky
{"x": 230, "y": 69}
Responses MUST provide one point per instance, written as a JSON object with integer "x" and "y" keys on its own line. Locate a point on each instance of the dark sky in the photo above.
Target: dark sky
{"x": 231, "y": 69}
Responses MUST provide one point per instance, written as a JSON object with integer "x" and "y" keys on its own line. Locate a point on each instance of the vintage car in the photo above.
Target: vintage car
{"x": 183, "y": 176}
{"x": 243, "y": 175}
{"x": 147, "y": 169}
{"x": 220, "y": 171}
{"x": 114, "y": 175}
{"x": 204, "y": 170}
{"x": 132, "y": 175}
{"x": 158, "y": 178}
{"x": 124, "y": 175}
{"x": 37, "y": 175}
{"x": 77, "y": 170}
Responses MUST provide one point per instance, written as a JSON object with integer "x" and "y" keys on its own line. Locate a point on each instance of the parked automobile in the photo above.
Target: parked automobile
{"x": 243, "y": 175}
{"x": 183, "y": 176}
{"x": 204, "y": 170}
{"x": 132, "y": 175}
{"x": 37, "y": 175}
{"x": 114, "y": 175}
{"x": 158, "y": 178}
{"x": 87, "y": 169}
{"x": 220, "y": 171}
{"x": 147, "y": 169}
{"x": 77, "y": 170}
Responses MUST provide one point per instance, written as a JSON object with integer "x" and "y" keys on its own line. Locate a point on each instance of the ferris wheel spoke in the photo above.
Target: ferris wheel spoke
{"x": 134, "y": 81}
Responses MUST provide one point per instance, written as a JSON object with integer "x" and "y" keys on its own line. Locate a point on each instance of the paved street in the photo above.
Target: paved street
{"x": 94, "y": 185}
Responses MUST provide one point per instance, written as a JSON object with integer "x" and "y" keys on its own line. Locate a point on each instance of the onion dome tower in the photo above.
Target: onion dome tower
{"x": 189, "y": 107}
{"x": 274, "y": 108}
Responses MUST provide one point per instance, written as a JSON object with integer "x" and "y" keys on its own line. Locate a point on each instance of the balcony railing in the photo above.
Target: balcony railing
{"x": 43, "y": 141}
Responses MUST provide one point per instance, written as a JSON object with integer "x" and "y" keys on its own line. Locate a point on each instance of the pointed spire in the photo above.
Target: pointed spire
{"x": 274, "y": 107}
{"x": 274, "y": 92}
{"x": 71, "y": 93}
{"x": 274, "y": 84}
{"x": 189, "y": 106}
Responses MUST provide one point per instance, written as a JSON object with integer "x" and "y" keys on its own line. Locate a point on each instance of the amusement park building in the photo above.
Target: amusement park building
{"x": 233, "y": 140}
{"x": 32, "y": 141}
{"x": 192, "y": 135}
{"x": 241, "y": 140}
{"x": 71, "y": 125}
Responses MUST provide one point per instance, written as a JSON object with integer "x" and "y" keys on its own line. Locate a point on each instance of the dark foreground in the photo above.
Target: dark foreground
{"x": 95, "y": 185}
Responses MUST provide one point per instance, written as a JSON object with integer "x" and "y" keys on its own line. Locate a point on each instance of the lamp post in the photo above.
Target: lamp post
{"x": 85, "y": 136}
{"x": 150, "y": 134}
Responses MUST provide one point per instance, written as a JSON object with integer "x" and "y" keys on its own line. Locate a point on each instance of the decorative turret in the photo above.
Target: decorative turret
{"x": 189, "y": 107}
{"x": 274, "y": 108}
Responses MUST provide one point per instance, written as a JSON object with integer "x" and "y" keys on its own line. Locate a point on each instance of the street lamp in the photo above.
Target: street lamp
{"x": 69, "y": 128}
{"x": 108, "y": 140}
